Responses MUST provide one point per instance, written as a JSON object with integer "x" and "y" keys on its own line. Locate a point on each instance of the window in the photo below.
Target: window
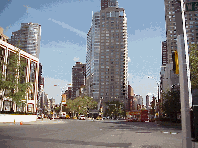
{"x": 108, "y": 14}
{"x": 117, "y": 14}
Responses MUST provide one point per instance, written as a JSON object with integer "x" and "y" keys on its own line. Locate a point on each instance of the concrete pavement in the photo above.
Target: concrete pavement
{"x": 85, "y": 133}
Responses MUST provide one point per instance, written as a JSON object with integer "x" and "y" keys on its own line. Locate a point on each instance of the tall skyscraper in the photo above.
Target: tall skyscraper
{"x": 107, "y": 53}
{"x": 78, "y": 77}
{"x": 27, "y": 38}
{"x": 171, "y": 8}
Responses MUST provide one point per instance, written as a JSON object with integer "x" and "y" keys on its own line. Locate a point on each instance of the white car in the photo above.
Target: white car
{"x": 81, "y": 117}
{"x": 62, "y": 115}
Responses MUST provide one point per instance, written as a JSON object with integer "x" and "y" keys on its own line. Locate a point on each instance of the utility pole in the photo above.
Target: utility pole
{"x": 183, "y": 79}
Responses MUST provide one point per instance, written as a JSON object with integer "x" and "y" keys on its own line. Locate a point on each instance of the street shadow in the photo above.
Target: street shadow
{"x": 71, "y": 142}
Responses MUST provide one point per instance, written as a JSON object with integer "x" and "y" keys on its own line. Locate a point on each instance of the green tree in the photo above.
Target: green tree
{"x": 114, "y": 108}
{"x": 81, "y": 105}
{"x": 171, "y": 103}
{"x": 193, "y": 60}
{"x": 13, "y": 84}
{"x": 57, "y": 110}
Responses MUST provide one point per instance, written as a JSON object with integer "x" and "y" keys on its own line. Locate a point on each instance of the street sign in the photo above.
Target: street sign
{"x": 192, "y": 6}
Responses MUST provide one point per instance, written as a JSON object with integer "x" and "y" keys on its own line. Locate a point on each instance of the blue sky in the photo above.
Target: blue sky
{"x": 64, "y": 25}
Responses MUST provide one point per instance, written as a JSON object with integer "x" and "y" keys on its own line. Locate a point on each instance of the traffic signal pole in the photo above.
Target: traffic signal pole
{"x": 184, "y": 94}
{"x": 185, "y": 86}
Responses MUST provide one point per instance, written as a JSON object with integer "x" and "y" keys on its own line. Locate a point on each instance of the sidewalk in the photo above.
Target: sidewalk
{"x": 38, "y": 121}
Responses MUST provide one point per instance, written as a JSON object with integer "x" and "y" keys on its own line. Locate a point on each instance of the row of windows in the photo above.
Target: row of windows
{"x": 107, "y": 90}
{"x": 107, "y": 63}
{"x": 116, "y": 56}
{"x": 110, "y": 94}
{"x": 112, "y": 72}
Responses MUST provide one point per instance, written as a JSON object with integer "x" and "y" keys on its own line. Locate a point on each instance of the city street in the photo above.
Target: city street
{"x": 88, "y": 133}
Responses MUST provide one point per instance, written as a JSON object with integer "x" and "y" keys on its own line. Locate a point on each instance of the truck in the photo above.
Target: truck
{"x": 137, "y": 115}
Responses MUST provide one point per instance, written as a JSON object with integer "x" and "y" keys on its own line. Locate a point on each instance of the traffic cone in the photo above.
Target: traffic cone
{"x": 21, "y": 123}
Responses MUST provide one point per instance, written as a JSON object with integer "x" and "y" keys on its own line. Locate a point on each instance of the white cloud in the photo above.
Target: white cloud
{"x": 145, "y": 34}
{"x": 76, "y": 58}
{"x": 78, "y": 32}
{"x": 63, "y": 45}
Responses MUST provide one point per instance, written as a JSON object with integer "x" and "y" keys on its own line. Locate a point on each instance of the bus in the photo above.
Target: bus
{"x": 137, "y": 115}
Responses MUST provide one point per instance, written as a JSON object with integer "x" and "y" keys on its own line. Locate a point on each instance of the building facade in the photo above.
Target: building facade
{"x": 78, "y": 77}
{"x": 107, "y": 53}
{"x": 191, "y": 22}
{"x": 68, "y": 92}
{"x": 31, "y": 76}
{"x": 27, "y": 38}
{"x": 147, "y": 101}
{"x": 130, "y": 98}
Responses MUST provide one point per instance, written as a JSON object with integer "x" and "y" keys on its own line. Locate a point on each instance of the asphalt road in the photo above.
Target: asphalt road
{"x": 88, "y": 134}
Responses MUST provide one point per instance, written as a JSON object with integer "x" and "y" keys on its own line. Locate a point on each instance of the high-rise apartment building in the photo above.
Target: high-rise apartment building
{"x": 191, "y": 22}
{"x": 107, "y": 53}
{"x": 78, "y": 77}
{"x": 108, "y": 3}
{"x": 27, "y": 38}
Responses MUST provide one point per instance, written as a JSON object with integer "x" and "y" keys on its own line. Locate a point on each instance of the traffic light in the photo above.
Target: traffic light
{"x": 175, "y": 62}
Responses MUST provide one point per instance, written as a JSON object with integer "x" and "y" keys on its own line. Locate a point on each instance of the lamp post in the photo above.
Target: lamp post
{"x": 61, "y": 94}
{"x": 158, "y": 94}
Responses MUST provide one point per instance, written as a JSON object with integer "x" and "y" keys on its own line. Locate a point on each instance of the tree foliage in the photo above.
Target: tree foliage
{"x": 114, "y": 108}
{"x": 171, "y": 103}
{"x": 81, "y": 105}
{"x": 193, "y": 60}
{"x": 13, "y": 83}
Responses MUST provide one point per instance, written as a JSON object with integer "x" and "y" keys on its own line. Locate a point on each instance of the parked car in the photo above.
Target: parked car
{"x": 99, "y": 118}
{"x": 81, "y": 117}
{"x": 62, "y": 115}
{"x": 67, "y": 116}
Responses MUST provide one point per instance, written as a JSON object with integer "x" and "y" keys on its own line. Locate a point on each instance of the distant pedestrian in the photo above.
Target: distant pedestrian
{"x": 42, "y": 116}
